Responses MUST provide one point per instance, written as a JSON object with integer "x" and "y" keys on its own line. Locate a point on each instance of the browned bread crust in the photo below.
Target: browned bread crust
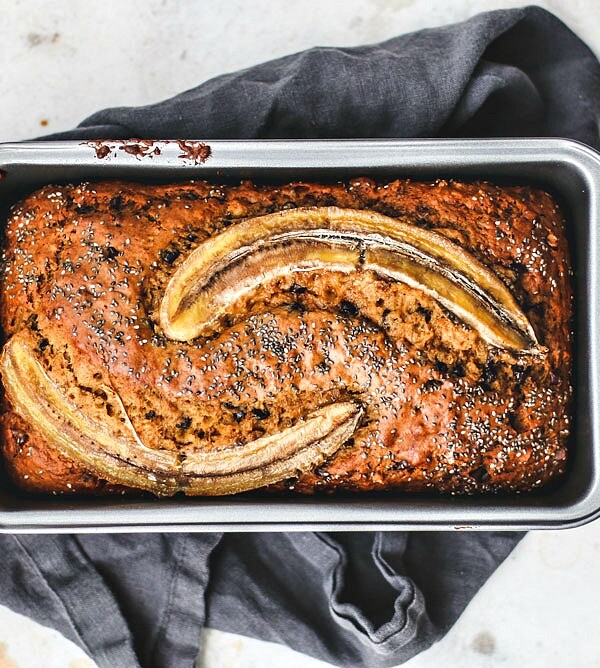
{"x": 84, "y": 267}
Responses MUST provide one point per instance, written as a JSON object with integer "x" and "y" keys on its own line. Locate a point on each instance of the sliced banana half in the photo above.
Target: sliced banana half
{"x": 112, "y": 449}
{"x": 238, "y": 260}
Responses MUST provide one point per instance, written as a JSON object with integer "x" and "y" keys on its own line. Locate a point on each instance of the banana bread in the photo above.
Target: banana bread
{"x": 213, "y": 339}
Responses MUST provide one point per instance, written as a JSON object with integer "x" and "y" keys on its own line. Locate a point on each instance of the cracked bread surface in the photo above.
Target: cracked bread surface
{"x": 85, "y": 267}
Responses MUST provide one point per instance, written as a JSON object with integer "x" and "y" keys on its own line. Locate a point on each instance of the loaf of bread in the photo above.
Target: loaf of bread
{"x": 215, "y": 339}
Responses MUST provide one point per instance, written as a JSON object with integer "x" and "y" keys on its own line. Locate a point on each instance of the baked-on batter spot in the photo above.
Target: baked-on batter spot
{"x": 194, "y": 151}
{"x": 197, "y": 151}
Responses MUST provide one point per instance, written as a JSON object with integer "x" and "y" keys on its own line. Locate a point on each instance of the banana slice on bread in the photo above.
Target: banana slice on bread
{"x": 225, "y": 267}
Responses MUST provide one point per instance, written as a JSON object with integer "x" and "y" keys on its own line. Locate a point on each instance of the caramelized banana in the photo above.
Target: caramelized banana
{"x": 256, "y": 250}
{"x": 273, "y": 458}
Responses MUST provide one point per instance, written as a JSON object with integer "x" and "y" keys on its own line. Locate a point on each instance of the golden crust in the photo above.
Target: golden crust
{"x": 85, "y": 267}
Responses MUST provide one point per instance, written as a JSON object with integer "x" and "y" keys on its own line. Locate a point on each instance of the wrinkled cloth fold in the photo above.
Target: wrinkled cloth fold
{"x": 354, "y": 599}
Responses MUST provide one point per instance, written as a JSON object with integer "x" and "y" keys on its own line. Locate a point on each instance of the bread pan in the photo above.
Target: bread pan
{"x": 569, "y": 170}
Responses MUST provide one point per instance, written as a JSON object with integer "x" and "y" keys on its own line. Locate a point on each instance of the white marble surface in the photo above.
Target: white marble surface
{"x": 60, "y": 61}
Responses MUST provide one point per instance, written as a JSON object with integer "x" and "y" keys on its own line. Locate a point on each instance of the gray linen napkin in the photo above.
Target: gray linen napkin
{"x": 354, "y": 599}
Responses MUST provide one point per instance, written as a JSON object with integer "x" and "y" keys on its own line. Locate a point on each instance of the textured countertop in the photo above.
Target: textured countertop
{"x": 63, "y": 61}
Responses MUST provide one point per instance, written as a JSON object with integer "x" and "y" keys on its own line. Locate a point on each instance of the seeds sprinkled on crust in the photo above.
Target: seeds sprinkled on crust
{"x": 438, "y": 402}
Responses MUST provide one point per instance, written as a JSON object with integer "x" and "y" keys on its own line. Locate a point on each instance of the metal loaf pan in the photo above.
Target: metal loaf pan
{"x": 569, "y": 170}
